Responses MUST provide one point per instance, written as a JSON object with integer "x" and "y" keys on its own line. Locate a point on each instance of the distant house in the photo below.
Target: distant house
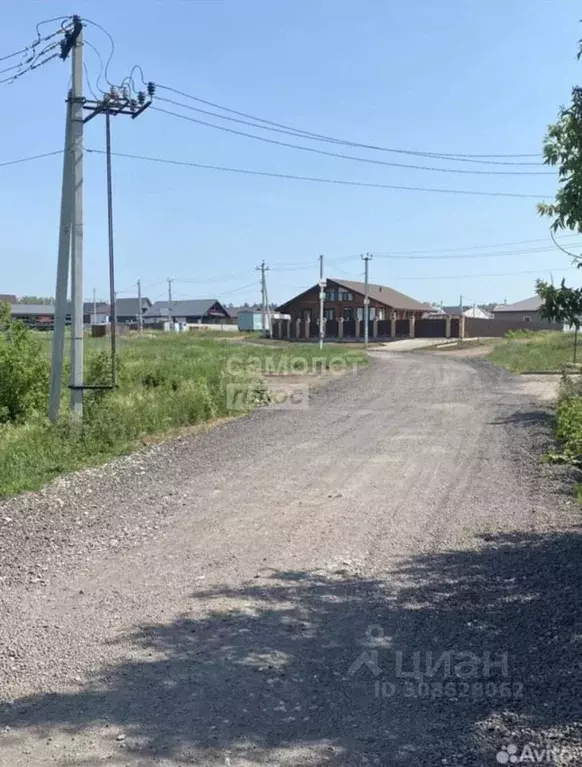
{"x": 201, "y": 310}
{"x": 39, "y": 316}
{"x": 345, "y": 299}
{"x": 527, "y": 310}
{"x": 468, "y": 311}
{"x": 7, "y": 298}
{"x": 128, "y": 309}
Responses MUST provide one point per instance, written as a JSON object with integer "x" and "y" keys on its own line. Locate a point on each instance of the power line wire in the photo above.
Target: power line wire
{"x": 35, "y": 63}
{"x": 338, "y": 259}
{"x": 308, "y": 134}
{"x": 29, "y": 159}
{"x": 31, "y": 49}
{"x": 312, "y": 179}
{"x": 352, "y": 158}
{"x": 468, "y": 247}
{"x": 234, "y": 275}
{"x": 479, "y": 276}
{"x": 522, "y": 252}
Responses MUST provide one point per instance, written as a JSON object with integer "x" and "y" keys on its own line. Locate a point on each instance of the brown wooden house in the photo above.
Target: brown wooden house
{"x": 345, "y": 299}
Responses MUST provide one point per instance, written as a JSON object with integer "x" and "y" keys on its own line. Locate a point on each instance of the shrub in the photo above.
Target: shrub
{"x": 569, "y": 428}
{"x": 24, "y": 371}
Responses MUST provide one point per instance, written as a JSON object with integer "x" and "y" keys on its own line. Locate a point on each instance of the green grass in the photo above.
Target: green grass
{"x": 166, "y": 382}
{"x": 536, "y": 351}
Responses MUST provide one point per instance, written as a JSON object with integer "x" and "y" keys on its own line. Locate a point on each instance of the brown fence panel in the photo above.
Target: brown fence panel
{"x": 384, "y": 328}
{"x": 314, "y": 329}
{"x": 349, "y": 328}
{"x": 474, "y": 327}
{"x": 455, "y": 328}
{"x": 402, "y": 328}
{"x": 331, "y": 328}
{"x": 276, "y": 329}
{"x": 293, "y": 329}
{"x": 430, "y": 328}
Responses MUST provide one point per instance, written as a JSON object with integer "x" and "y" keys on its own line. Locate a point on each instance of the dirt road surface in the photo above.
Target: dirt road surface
{"x": 389, "y": 577}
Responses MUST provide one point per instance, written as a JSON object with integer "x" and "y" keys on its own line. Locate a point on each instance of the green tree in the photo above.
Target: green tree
{"x": 561, "y": 304}
{"x": 44, "y": 300}
{"x": 563, "y": 149}
{"x": 24, "y": 370}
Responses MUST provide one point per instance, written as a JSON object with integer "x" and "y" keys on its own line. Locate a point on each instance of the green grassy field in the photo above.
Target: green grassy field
{"x": 536, "y": 351}
{"x": 166, "y": 382}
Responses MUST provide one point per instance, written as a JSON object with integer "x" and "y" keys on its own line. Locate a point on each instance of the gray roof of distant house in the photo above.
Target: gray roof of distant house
{"x": 129, "y": 307}
{"x": 192, "y": 308}
{"x": 527, "y": 305}
{"x": 26, "y": 309}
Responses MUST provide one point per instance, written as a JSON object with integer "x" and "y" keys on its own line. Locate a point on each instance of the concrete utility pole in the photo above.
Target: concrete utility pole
{"x": 139, "y": 309}
{"x": 77, "y": 340}
{"x": 461, "y": 305}
{"x": 170, "y": 318}
{"x": 61, "y": 291}
{"x": 321, "y": 300}
{"x": 71, "y": 224}
{"x": 367, "y": 258}
{"x": 70, "y": 228}
{"x": 263, "y": 269}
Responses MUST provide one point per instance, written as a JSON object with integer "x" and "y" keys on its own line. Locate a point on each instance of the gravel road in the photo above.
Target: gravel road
{"x": 388, "y": 577}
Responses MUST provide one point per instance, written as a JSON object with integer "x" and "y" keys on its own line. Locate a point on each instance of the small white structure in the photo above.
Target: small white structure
{"x": 254, "y": 320}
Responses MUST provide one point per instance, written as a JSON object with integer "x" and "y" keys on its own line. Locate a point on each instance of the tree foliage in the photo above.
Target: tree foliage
{"x": 561, "y": 304}
{"x": 563, "y": 149}
{"x": 24, "y": 370}
{"x": 44, "y": 300}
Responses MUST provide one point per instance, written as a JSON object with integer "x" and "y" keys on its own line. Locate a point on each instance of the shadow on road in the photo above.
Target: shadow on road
{"x": 274, "y": 671}
{"x": 540, "y": 417}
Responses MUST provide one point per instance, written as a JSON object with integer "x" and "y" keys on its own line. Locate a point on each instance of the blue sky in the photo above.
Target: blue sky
{"x": 452, "y": 76}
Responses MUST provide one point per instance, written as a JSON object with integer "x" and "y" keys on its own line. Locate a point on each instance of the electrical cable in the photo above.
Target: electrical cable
{"x": 224, "y": 277}
{"x": 101, "y": 64}
{"x": 312, "y": 179}
{"x": 111, "y": 40}
{"x": 557, "y": 244}
{"x": 353, "y": 158}
{"x": 307, "y": 134}
{"x": 62, "y": 19}
{"x": 89, "y": 86}
{"x": 467, "y": 247}
{"x": 34, "y": 63}
{"x": 524, "y": 252}
{"x": 479, "y": 276}
{"x": 440, "y": 250}
{"x": 33, "y": 157}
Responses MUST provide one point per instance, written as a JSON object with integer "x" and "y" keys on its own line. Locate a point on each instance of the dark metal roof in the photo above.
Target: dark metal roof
{"x": 129, "y": 307}
{"x": 197, "y": 307}
{"x": 527, "y": 305}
